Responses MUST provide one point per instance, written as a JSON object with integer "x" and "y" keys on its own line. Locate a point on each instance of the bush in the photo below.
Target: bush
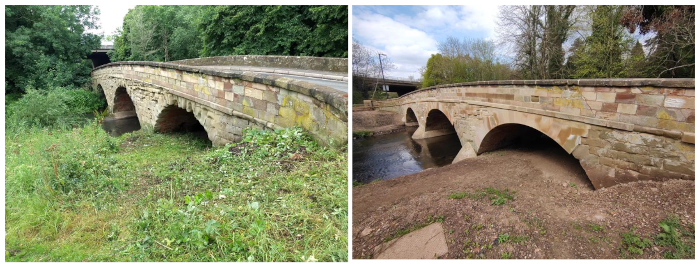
{"x": 58, "y": 107}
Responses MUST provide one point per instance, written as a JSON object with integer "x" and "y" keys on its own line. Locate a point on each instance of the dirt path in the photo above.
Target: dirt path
{"x": 555, "y": 212}
{"x": 379, "y": 122}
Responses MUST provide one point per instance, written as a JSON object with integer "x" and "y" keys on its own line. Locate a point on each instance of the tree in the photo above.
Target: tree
{"x": 47, "y": 46}
{"x": 672, "y": 48}
{"x": 602, "y": 53}
{"x": 464, "y": 61}
{"x": 536, "y": 34}
{"x": 636, "y": 63}
{"x": 158, "y": 33}
{"x": 275, "y": 30}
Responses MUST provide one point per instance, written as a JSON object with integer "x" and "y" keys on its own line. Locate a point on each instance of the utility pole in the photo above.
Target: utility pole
{"x": 383, "y": 81}
{"x": 382, "y": 68}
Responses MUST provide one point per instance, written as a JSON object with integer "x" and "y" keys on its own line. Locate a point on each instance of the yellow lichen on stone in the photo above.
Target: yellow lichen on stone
{"x": 301, "y": 111}
{"x": 662, "y": 114}
{"x": 247, "y": 109}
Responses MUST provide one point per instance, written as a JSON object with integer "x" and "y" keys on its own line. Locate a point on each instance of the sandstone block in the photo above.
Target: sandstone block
{"x": 238, "y": 89}
{"x": 627, "y": 108}
{"x": 630, "y": 148}
{"x": 626, "y": 98}
{"x": 679, "y": 167}
{"x": 650, "y": 99}
{"x": 254, "y": 93}
{"x": 680, "y": 102}
{"x": 641, "y": 120}
{"x": 606, "y": 97}
{"x": 675, "y": 125}
{"x": 635, "y": 138}
{"x": 595, "y": 105}
{"x": 570, "y": 110}
{"x": 609, "y": 107}
{"x": 647, "y": 110}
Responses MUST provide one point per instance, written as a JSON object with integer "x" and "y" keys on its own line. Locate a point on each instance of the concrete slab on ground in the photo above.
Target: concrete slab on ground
{"x": 425, "y": 243}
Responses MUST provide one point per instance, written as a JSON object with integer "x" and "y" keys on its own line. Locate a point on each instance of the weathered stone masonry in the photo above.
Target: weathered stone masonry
{"x": 620, "y": 130}
{"x": 226, "y": 103}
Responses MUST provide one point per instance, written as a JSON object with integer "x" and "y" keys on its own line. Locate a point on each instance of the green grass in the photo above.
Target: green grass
{"x": 362, "y": 134}
{"x": 633, "y": 244}
{"x": 503, "y": 238}
{"x": 497, "y": 197}
{"x": 80, "y": 195}
{"x": 678, "y": 240}
{"x": 596, "y": 228}
{"x": 457, "y": 195}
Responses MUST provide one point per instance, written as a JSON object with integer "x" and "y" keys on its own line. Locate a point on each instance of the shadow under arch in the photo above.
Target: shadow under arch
{"x": 438, "y": 124}
{"x": 122, "y": 101}
{"x": 173, "y": 119}
{"x": 103, "y": 98}
{"x": 411, "y": 119}
{"x": 529, "y": 139}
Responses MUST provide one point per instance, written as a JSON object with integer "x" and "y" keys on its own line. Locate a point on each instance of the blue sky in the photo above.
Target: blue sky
{"x": 409, "y": 34}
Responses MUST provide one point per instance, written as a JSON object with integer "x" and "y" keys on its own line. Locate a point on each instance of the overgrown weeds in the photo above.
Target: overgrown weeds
{"x": 73, "y": 194}
{"x": 679, "y": 241}
{"x": 57, "y": 107}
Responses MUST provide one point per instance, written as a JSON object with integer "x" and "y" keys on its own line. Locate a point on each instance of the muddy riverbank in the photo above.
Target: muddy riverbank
{"x": 377, "y": 122}
{"x": 554, "y": 211}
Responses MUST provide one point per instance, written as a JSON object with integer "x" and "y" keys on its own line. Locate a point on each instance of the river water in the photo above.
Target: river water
{"x": 393, "y": 155}
{"x": 118, "y": 126}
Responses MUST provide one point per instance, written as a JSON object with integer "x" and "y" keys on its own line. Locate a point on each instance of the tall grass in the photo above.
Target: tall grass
{"x": 76, "y": 194}
{"x": 57, "y": 107}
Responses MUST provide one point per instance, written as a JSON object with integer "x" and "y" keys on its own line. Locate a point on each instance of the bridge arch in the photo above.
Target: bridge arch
{"x": 437, "y": 123}
{"x": 175, "y": 119}
{"x": 411, "y": 119}
{"x": 531, "y": 138}
{"x": 123, "y": 101}
{"x": 507, "y": 134}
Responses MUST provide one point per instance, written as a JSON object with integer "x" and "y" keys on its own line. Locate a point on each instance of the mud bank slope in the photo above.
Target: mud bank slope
{"x": 377, "y": 121}
{"x": 555, "y": 213}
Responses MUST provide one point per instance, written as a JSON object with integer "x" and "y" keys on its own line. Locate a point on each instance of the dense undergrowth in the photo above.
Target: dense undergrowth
{"x": 77, "y": 194}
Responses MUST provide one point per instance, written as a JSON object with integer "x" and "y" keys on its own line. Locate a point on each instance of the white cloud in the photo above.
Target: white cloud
{"x": 111, "y": 17}
{"x": 409, "y": 38}
{"x": 408, "y": 48}
{"x": 481, "y": 18}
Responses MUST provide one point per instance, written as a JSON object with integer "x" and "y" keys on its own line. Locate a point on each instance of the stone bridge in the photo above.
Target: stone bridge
{"x": 620, "y": 130}
{"x": 225, "y": 95}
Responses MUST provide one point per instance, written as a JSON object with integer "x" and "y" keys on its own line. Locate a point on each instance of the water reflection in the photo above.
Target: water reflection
{"x": 118, "y": 126}
{"x": 393, "y": 155}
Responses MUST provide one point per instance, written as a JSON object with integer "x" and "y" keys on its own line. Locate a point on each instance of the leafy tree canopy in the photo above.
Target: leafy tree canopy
{"x": 47, "y": 46}
{"x": 166, "y": 33}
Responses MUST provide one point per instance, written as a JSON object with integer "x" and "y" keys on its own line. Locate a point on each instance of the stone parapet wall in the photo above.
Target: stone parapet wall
{"x": 616, "y": 103}
{"x": 227, "y": 102}
{"x": 293, "y": 62}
